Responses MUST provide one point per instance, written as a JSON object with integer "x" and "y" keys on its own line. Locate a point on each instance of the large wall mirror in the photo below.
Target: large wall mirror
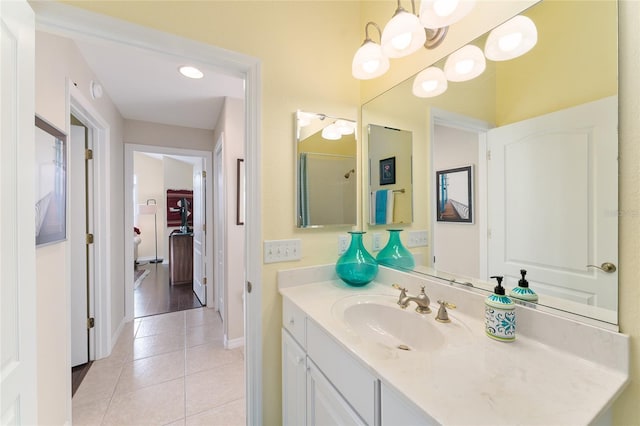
{"x": 326, "y": 187}
{"x": 540, "y": 135}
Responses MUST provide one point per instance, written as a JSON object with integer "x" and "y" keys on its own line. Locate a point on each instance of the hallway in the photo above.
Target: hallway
{"x": 166, "y": 369}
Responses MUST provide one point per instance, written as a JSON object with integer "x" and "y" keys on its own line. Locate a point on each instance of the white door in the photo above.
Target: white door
{"x": 18, "y": 394}
{"x": 78, "y": 246}
{"x": 218, "y": 234}
{"x": 199, "y": 234}
{"x": 553, "y": 202}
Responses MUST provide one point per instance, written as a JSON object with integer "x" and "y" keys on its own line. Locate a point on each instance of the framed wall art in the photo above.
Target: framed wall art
{"x": 51, "y": 183}
{"x": 455, "y": 195}
{"x": 388, "y": 171}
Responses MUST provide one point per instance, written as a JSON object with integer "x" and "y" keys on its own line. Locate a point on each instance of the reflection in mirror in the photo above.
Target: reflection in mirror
{"x": 541, "y": 133}
{"x": 390, "y": 181}
{"x": 326, "y": 186}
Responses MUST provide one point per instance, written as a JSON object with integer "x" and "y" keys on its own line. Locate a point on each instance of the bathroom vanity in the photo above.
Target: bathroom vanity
{"x": 353, "y": 356}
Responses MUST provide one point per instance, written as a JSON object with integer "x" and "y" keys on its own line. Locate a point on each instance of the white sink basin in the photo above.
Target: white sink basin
{"x": 378, "y": 319}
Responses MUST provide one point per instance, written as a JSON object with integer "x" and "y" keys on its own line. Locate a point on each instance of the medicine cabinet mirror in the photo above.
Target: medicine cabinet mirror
{"x": 390, "y": 180}
{"x": 326, "y": 170}
{"x": 545, "y": 173}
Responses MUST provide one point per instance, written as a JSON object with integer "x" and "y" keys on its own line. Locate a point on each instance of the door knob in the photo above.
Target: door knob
{"x": 607, "y": 267}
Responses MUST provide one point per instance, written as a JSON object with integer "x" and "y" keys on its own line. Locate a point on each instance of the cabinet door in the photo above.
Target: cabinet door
{"x": 294, "y": 378}
{"x": 398, "y": 411}
{"x": 325, "y": 406}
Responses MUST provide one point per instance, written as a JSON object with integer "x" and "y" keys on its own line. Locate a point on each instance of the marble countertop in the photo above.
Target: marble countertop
{"x": 473, "y": 379}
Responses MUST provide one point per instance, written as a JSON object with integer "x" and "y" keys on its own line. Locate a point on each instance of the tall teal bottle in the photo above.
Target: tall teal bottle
{"x": 394, "y": 254}
{"x": 356, "y": 266}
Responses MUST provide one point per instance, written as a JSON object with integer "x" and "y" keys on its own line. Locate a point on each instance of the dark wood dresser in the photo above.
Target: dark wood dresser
{"x": 181, "y": 258}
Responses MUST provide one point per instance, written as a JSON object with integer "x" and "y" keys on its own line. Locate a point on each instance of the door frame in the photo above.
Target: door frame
{"x": 219, "y": 230}
{"x": 129, "y": 149}
{"x": 69, "y": 21}
{"x": 100, "y": 337}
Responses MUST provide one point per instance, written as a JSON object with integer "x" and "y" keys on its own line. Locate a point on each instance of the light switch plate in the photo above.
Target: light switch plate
{"x": 417, "y": 238}
{"x": 377, "y": 241}
{"x": 282, "y": 250}
{"x": 343, "y": 244}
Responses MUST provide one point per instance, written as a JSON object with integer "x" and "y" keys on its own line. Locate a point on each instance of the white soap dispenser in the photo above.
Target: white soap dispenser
{"x": 523, "y": 292}
{"x": 500, "y": 315}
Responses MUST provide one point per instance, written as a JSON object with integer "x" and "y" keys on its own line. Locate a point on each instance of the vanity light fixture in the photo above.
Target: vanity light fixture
{"x": 345, "y": 127}
{"x": 369, "y": 61}
{"x": 403, "y": 34}
{"x": 512, "y": 39}
{"x": 331, "y": 132}
{"x": 442, "y": 13}
{"x": 429, "y": 83}
{"x": 190, "y": 72}
{"x": 465, "y": 64}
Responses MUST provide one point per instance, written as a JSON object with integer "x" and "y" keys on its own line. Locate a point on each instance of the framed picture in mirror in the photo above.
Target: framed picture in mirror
{"x": 51, "y": 183}
{"x": 388, "y": 171}
{"x": 454, "y": 195}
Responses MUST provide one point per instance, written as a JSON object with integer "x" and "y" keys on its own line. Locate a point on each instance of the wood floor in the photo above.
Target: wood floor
{"x": 156, "y": 296}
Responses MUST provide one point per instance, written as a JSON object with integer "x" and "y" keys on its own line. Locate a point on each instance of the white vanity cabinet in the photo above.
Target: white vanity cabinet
{"x": 321, "y": 383}
{"x": 294, "y": 381}
{"x": 396, "y": 410}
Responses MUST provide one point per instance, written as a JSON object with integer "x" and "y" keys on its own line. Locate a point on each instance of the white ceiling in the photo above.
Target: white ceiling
{"x": 147, "y": 86}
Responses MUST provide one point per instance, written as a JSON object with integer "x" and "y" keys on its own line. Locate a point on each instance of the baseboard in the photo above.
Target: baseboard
{"x": 233, "y": 343}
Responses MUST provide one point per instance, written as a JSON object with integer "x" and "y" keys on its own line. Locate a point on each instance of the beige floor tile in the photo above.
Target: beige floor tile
{"x": 180, "y": 422}
{"x": 210, "y": 356}
{"x": 157, "y": 344}
{"x": 149, "y": 371}
{"x": 231, "y": 414}
{"x": 202, "y": 334}
{"x": 166, "y": 323}
{"x": 202, "y": 316}
{"x": 90, "y": 413}
{"x": 154, "y": 405}
{"x": 214, "y": 388}
{"x": 99, "y": 383}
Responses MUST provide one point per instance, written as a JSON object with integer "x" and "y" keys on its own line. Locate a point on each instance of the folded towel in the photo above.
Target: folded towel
{"x": 381, "y": 207}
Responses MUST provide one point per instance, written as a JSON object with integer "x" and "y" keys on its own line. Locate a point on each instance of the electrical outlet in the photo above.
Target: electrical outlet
{"x": 282, "y": 250}
{"x": 377, "y": 241}
{"x": 417, "y": 239}
{"x": 343, "y": 243}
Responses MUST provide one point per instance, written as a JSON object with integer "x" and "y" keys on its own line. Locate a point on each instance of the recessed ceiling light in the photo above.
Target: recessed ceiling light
{"x": 191, "y": 72}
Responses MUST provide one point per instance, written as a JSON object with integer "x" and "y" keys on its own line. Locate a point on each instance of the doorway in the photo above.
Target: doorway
{"x": 62, "y": 19}
{"x": 170, "y": 257}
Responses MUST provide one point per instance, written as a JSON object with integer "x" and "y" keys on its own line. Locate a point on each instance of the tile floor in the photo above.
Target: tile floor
{"x": 169, "y": 369}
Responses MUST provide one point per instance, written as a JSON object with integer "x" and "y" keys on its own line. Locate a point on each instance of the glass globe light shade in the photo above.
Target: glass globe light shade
{"x": 512, "y": 39}
{"x": 465, "y": 64}
{"x": 331, "y": 132}
{"x": 402, "y": 35}
{"x": 442, "y": 13}
{"x": 429, "y": 83}
{"x": 345, "y": 127}
{"x": 369, "y": 62}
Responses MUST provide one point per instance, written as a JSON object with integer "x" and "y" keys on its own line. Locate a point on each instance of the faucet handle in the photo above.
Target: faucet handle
{"x": 443, "y": 315}
{"x": 398, "y": 287}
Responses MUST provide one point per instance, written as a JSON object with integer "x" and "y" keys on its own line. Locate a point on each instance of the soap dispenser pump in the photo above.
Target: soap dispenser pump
{"x": 500, "y": 314}
{"x": 523, "y": 292}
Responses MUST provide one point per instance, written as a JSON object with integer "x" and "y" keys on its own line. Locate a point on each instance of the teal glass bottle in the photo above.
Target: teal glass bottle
{"x": 356, "y": 266}
{"x": 394, "y": 254}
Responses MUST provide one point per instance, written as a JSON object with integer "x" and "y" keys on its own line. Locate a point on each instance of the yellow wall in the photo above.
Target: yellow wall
{"x": 536, "y": 84}
{"x": 322, "y": 37}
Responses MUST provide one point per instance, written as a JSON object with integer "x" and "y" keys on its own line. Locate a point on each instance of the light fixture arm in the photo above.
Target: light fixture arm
{"x": 366, "y": 32}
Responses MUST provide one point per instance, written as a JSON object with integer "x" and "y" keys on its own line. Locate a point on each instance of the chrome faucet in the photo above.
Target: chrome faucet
{"x": 422, "y": 300}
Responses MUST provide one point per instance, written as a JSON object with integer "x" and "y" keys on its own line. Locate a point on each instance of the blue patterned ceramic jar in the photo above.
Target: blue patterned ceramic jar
{"x": 500, "y": 315}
